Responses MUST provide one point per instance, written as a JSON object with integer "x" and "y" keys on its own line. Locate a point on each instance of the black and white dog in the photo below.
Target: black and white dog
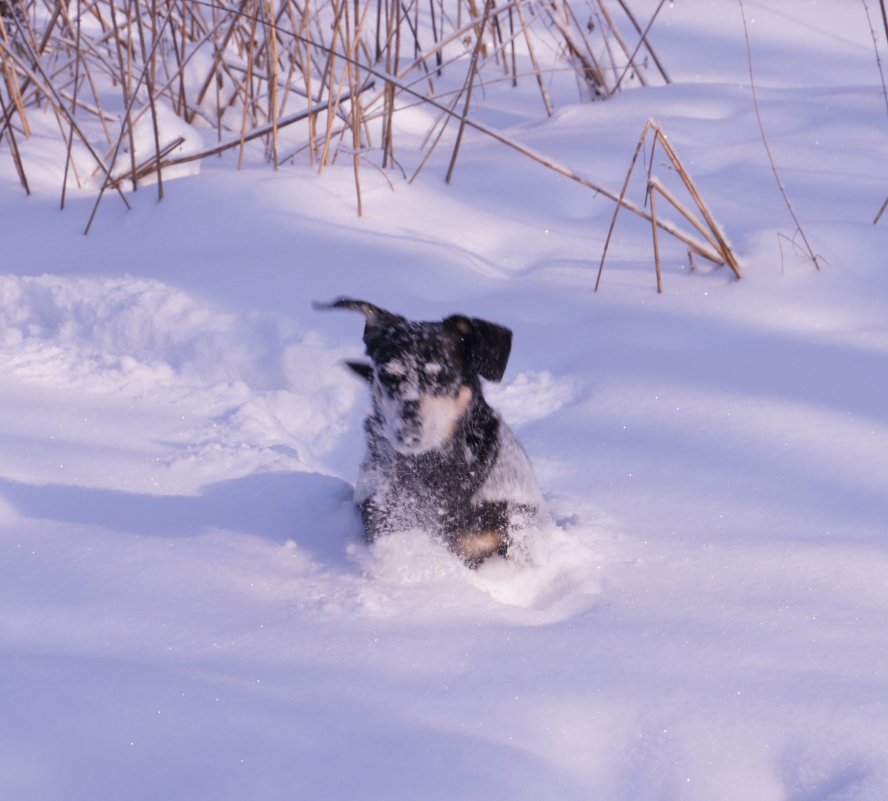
{"x": 438, "y": 457}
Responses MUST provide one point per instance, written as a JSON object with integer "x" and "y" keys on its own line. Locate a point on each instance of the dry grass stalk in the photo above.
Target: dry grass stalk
{"x": 645, "y": 40}
{"x": 248, "y": 83}
{"x": 149, "y": 83}
{"x": 467, "y": 89}
{"x": 10, "y": 78}
{"x": 656, "y": 238}
{"x": 220, "y": 49}
{"x": 13, "y": 149}
{"x": 125, "y": 72}
{"x": 353, "y": 38}
{"x": 654, "y": 185}
{"x": 615, "y": 32}
{"x": 392, "y": 65}
{"x": 531, "y": 51}
{"x": 153, "y": 164}
{"x": 808, "y": 250}
{"x": 644, "y": 36}
{"x": 149, "y": 166}
{"x": 68, "y": 161}
{"x": 883, "y": 7}
{"x": 334, "y": 88}
{"x": 876, "y": 53}
{"x": 590, "y": 71}
{"x": 717, "y": 249}
{"x": 724, "y": 248}
{"x": 621, "y": 201}
{"x": 271, "y": 46}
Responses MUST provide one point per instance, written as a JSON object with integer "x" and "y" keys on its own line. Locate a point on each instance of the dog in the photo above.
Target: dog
{"x": 438, "y": 457}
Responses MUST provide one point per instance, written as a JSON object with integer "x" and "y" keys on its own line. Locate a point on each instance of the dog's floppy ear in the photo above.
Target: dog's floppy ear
{"x": 488, "y": 345}
{"x": 377, "y": 319}
{"x": 363, "y": 369}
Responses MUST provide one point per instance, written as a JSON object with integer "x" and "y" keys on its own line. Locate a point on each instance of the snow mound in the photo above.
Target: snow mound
{"x": 81, "y": 328}
{"x": 240, "y": 382}
{"x": 551, "y": 575}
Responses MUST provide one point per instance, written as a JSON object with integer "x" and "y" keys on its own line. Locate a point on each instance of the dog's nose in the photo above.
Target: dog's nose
{"x": 408, "y": 429}
{"x": 410, "y": 410}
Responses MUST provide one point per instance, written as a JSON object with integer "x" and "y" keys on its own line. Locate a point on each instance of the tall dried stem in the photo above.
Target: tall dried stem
{"x": 149, "y": 83}
{"x": 7, "y": 67}
{"x": 644, "y": 39}
{"x": 13, "y": 147}
{"x": 808, "y": 251}
{"x": 248, "y": 81}
{"x": 270, "y": 29}
{"x": 70, "y": 142}
{"x": 531, "y": 51}
{"x": 470, "y": 82}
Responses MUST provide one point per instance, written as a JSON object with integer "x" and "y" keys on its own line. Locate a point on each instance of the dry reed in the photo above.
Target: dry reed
{"x": 243, "y": 68}
{"x": 806, "y": 248}
{"x": 296, "y": 77}
{"x": 715, "y": 247}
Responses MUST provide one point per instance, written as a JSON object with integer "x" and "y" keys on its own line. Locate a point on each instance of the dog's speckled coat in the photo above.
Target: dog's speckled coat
{"x": 439, "y": 458}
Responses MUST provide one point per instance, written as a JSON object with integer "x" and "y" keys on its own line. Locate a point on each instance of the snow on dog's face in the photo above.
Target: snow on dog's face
{"x": 424, "y": 375}
{"x": 419, "y": 385}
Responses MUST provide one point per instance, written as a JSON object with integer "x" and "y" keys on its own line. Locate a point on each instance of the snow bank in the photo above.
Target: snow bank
{"x": 238, "y": 393}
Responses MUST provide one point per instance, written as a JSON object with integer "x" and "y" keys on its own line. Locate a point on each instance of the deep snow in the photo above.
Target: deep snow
{"x": 188, "y": 611}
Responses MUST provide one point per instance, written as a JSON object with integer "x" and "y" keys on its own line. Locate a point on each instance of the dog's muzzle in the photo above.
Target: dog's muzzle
{"x": 407, "y": 429}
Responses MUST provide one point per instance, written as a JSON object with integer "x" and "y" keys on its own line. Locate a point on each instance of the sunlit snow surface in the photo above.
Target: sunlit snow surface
{"x": 188, "y": 609}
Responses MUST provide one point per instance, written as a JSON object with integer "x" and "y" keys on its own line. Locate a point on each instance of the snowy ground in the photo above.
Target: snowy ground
{"x": 188, "y": 612}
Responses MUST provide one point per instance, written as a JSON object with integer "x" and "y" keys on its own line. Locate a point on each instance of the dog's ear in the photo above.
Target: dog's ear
{"x": 377, "y": 320}
{"x": 362, "y": 369}
{"x": 488, "y": 345}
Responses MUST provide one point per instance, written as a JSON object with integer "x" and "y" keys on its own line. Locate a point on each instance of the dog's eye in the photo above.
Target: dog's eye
{"x": 390, "y": 379}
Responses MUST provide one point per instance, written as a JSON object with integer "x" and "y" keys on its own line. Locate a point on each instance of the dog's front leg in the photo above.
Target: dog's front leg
{"x": 476, "y": 546}
{"x": 483, "y": 534}
{"x": 375, "y": 519}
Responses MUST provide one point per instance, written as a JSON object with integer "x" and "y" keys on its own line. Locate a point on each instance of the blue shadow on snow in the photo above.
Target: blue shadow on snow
{"x": 313, "y": 510}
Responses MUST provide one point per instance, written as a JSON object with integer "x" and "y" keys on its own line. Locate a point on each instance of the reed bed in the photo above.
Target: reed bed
{"x": 110, "y": 70}
{"x": 314, "y": 81}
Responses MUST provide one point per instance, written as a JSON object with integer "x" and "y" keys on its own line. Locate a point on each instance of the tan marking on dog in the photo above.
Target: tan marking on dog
{"x": 478, "y": 545}
{"x": 440, "y": 415}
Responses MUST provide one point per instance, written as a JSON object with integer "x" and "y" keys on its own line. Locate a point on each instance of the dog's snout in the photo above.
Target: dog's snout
{"x": 410, "y": 410}
{"x": 408, "y": 427}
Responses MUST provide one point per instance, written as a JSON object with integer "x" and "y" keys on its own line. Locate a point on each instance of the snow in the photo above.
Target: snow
{"x": 188, "y": 609}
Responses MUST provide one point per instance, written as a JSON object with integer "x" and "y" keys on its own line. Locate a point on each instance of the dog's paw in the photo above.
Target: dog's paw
{"x": 476, "y": 546}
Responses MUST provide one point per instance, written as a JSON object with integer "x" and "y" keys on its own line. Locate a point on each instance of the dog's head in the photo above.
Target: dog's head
{"x": 424, "y": 376}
